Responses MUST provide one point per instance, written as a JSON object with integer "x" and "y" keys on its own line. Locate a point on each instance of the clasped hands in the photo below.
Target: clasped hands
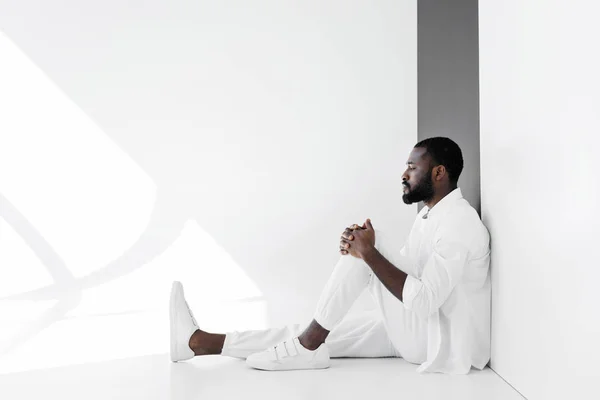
{"x": 358, "y": 240}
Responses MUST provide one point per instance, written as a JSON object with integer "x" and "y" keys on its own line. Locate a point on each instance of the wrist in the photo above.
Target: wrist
{"x": 369, "y": 254}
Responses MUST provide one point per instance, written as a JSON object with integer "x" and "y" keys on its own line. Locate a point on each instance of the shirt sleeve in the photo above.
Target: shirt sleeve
{"x": 441, "y": 273}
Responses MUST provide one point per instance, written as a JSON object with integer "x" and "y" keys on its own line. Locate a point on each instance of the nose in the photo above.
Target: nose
{"x": 404, "y": 177}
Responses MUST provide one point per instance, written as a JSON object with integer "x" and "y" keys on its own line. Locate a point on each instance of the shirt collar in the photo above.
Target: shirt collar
{"x": 445, "y": 203}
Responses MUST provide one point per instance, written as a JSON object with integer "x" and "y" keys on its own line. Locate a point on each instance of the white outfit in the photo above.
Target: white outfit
{"x": 443, "y": 321}
{"x": 447, "y": 258}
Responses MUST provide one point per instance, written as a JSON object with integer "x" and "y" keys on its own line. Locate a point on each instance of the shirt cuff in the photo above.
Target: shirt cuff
{"x": 412, "y": 287}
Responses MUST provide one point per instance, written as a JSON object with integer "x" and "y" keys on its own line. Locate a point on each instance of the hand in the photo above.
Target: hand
{"x": 347, "y": 235}
{"x": 358, "y": 240}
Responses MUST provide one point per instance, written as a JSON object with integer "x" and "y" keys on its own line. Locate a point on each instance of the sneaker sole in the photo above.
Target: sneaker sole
{"x": 175, "y": 290}
{"x": 269, "y": 366}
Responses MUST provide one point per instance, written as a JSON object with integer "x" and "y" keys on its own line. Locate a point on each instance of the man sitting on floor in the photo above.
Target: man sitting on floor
{"x": 433, "y": 295}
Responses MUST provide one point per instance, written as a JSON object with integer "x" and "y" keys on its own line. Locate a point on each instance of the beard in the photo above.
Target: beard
{"x": 422, "y": 192}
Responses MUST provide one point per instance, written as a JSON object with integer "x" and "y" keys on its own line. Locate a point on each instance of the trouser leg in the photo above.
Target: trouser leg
{"x": 240, "y": 344}
{"x": 393, "y": 323}
{"x": 406, "y": 330}
{"x": 359, "y": 335}
{"x": 390, "y": 331}
{"x": 349, "y": 278}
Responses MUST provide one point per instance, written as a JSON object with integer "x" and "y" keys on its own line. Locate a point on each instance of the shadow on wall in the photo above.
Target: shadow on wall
{"x": 90, "y": 217}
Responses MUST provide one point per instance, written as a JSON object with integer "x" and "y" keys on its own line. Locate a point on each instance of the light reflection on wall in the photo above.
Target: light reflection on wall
{"x": 72, "y": 202}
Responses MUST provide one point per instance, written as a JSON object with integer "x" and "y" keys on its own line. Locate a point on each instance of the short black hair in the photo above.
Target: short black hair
{"x": 446, "y": 152}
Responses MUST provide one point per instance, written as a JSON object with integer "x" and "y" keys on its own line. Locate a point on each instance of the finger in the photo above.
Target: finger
{"x": 344, "y": 245}
{"x": 354, "y": 226}
{"x": 368, "y": 224}
{"x": 344, "y": 252}
{"x": 347, "y": 236}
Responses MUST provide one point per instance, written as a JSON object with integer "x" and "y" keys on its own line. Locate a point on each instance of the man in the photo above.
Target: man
{"x": 433, "y": 295}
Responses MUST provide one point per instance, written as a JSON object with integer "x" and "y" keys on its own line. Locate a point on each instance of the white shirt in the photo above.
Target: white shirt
{"x": 447, "y": 259}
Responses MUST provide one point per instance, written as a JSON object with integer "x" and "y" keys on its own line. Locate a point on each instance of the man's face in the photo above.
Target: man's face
{"x": 416, "y": 180}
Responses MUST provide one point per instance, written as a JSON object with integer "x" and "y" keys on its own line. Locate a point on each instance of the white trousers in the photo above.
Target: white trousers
{"x": 389, "y": 331}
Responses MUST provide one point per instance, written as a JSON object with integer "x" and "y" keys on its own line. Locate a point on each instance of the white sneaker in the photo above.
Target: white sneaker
{"x": 183, "y": 324}
{"x": 290, "y": 355}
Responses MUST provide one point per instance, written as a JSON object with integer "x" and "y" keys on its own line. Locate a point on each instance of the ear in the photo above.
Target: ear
{"x": 440, "y": 172}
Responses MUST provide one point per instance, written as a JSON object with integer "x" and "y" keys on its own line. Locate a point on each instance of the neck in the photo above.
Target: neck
{"x": 439, "y": 195}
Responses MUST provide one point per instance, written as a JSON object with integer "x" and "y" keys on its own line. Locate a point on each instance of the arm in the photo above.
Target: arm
{"x": 442, "y": 272}
{"x": 360, "y": 243}
{"x": 391, "y": 277}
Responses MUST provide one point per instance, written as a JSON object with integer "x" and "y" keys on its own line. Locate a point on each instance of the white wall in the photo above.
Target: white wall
{"x": 226, "y": 144}
{"x": 540, "y": 96}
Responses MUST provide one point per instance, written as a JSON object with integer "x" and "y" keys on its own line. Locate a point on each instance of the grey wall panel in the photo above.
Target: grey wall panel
{"x": 448, "y": 82}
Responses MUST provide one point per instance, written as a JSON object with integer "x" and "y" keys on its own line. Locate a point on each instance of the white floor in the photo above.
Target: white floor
{"x": 215, "y": 377}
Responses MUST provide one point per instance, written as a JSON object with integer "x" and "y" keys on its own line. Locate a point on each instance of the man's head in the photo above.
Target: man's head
{"x": 434, "y": 165}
